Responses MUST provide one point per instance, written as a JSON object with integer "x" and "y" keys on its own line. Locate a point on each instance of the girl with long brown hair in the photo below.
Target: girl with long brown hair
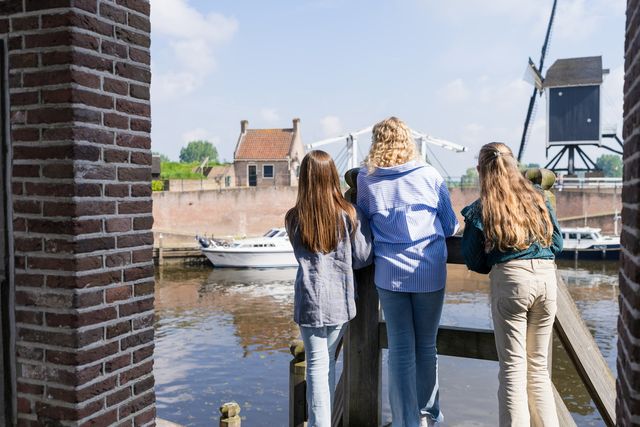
{"x": 512, "y": 233}
{"x": 330, "y": 238}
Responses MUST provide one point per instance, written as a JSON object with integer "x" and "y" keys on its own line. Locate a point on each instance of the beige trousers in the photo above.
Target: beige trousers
{"x": 523, "y": 307}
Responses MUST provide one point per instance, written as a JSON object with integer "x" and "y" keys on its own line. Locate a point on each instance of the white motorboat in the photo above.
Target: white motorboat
{"x": 271, "y": 250}
{"x": 588, "y": 243}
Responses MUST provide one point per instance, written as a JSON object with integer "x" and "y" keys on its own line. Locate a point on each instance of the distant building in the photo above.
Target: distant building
{"x": 268, "y": 157}
{"x": 223, "y": 175}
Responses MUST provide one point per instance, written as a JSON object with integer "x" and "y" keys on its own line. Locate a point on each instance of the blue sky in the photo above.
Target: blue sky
{"x": 452, "y": 69}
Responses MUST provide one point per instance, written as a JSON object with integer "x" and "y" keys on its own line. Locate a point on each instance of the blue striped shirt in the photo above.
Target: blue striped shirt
{"x": 410, "y": 213}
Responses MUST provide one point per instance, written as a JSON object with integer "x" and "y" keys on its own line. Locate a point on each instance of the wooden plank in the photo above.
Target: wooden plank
{"x": 585, "y": 355}
{"x": 362, "y": 357}
{"x": 458, "y": 342}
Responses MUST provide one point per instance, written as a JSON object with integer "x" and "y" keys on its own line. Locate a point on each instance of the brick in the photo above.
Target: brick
{"x": 119, "y": 293}
{"x": 71, "y": 227}
{"x": 77, "y": 320}
{"x": 115, "y": 86}
{"x": 43, "y": 78}
{"x": 116, "y": 190}
{"x": 116, "y": 156}
{"x": 106, "y": 419}
{"x": 26, "y": 171}
{"x": 23, "y": 60}
{"x": 141, "y": 6}
{"x": 62, "y": 413}
{"x": 145, "y": 417}
{"x": 137, "y": 371}
{"x": 82, "y": 357}
{"x": 136, "y": 405}
{"x": 117, "y": 225}
{"x": 135, "y": 307}
{"x": 143, "y": 353}
{"x": 30, "y": 280}
{"x": 139, "y": 22}
{"x": 113, "y": 13}
{"x": 143, "y": 223}
{"x": 133, "y": 72}
{"x": 28, "y": 244}
{"x": 118, "y": 396}
{"x": 59, "y": 38}
{"x": 132, "y": 240}
{"x": 140, "y": 125}
{"x": 142, "y": 255}
{"x": 57, "y": 57}
{"x": 97, "y": 172}
{"x": 133, "y": 141}
{"x": 143, "y": 322}
{"x": 118, "y": 50}
{"x": 30, "y": 317}
{"x": 118, "y": 329}
{"x": 133, "y": 108}
{"x": 141, "y": 190}
{"x": 117, "y": 363}
{"x": 34, "y": 5}
{"x": 134, "y": 174}
{"x": 25, "y": 134}
{"x": 139, "y": 55}
{"x": 132, "y": 37}
{"x": 117, "y": 259}
{"x": 27, "y": 206}
{"x": 137, "y": 273}
{"x": 58, "y": 170}
{"x": 115, "y": 120}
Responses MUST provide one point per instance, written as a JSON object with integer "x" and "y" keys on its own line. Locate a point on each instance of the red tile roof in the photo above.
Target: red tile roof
{"x": 265, "y": 144}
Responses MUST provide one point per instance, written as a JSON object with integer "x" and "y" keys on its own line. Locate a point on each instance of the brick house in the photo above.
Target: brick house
{"x": 223, "y": 175}
{"x": 268, "y": 157}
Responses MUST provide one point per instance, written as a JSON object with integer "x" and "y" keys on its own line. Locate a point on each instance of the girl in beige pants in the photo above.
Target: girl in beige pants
{"x": 512, "y": 233}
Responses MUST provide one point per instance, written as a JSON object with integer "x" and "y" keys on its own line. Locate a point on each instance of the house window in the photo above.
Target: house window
{"x": 267, "y": 171}
{"x": 227, "y": 181}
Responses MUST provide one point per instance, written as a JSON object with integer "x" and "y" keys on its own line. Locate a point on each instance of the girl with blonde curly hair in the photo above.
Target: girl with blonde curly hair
{"x": 511, "y": 232}
{"x": 408, "y": 206}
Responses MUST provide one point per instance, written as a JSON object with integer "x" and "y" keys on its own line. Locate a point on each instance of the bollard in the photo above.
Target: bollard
{"x": 297, "y": 386}
{"x": 230, "y": 415}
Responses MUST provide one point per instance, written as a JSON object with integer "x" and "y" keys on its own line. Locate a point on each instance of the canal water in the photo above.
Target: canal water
{"x": 224, "y": 334}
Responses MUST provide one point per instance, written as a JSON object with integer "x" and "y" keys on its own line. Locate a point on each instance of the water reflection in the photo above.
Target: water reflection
{"x": 224, "y": 335}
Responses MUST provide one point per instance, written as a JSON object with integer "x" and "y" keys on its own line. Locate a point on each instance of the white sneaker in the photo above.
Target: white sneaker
{"x": 427, "y": 421}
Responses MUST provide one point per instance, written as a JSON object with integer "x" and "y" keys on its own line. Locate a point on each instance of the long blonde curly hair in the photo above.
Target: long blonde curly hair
{"x": 392, "y": 145}
{"x": 514, "y": 214}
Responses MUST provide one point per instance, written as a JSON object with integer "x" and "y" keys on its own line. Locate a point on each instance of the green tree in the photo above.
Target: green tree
{"x": 163, "y": 157}
{"x": 611, "y": 165}
{"x": 470, "y": 178}
{"x": 197, "y": 151}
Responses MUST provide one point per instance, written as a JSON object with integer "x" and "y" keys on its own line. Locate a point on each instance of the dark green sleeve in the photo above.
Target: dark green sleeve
{"x": 473, "y": 249}
{"x": 556, "y": 239}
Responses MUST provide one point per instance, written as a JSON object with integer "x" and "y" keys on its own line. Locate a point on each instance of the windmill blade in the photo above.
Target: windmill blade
{"x": 532, "y": 100}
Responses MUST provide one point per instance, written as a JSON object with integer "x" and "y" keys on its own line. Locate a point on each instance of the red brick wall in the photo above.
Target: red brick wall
{"x": 628, "y": 384}
{"x": 80, "y": 121}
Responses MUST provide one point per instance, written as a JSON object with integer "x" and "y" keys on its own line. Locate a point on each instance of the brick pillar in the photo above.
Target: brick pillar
{"x": 628, "y": 384}
{"x": 80, "y": 121}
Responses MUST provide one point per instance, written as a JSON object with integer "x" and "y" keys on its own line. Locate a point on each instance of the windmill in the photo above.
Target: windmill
{"x": 573, "y": 89}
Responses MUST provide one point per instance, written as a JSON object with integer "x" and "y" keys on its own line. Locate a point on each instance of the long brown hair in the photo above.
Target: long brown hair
{"x": 514, "y": 214}
{"x": 320, "y": 206}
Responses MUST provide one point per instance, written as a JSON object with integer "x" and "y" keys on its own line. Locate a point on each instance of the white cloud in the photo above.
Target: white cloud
{"x": 454, "y": 92}
{"x": 192, "y": 40}
{"x": 331, "y": 126}
{"x": 270, "y": 115}
{"x": 199, "y": 134}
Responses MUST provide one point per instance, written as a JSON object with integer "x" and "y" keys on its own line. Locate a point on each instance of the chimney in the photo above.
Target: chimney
{"x": 296, "y": 123}
{"x": 243, "y": 125}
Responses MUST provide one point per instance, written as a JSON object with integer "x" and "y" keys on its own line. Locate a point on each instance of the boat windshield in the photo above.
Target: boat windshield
{"x": 586, "y": 236}
{"x": 271, "y": 233}
{"x": 282, "y": 234}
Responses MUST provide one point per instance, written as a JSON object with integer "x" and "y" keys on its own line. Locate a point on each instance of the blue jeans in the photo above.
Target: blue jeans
{"x": 320, "y": 352}
{"x": 412, "y": 327}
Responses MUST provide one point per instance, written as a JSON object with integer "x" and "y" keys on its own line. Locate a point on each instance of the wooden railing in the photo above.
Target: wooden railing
{"x": 357, "y": 398}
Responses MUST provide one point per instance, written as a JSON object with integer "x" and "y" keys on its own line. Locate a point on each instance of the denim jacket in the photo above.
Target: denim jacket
{"x": 473, "y": 243}
{"x": 324, "y": 286}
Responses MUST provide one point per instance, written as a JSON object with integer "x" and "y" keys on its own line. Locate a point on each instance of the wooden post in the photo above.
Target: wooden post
{"x": 160, "y": 250}
{"x": 230, "y": 415}
{"x": 297, "y": 386}
{"x": 362, "y": 361}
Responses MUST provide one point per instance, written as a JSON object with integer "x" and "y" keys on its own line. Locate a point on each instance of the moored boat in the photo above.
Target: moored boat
{"x": 588, "y": 243}
{"x": 271, "y": 250}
